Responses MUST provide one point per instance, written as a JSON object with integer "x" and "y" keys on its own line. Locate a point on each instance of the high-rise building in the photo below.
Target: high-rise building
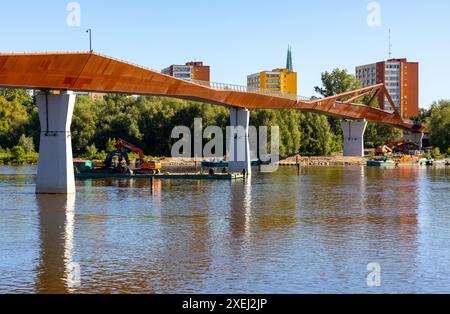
{"x": 401, "y": 79}
{"x": 281, "y": 80}
{"x": 190, "y": 71}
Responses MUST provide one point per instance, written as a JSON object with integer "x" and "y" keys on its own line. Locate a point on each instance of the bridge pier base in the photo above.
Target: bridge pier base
{"x": 239, "y": 159}
{"x": 354, "y": 137}
{"x": 55, "y": 173}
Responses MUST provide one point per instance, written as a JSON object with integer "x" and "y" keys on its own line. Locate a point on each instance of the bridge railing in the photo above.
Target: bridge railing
{"x": 249, "y": 89}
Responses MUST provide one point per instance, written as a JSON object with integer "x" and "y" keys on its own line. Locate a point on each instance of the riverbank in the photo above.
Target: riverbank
{"x": 18, "y": 158}
{"x": 336, "y": 160}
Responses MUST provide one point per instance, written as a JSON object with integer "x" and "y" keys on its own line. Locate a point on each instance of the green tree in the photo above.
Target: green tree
{"x": 439, "y": 124}
{"x": 289, "y": 127}
{"x": 337, "y": 142}
{"x": 155, "y": 123}
{"x": 21, "y": 96}
{"x": 380, "y": 134}
{"x": 148, "y": 122}
{"x": 26, "y": 143}
{"x": 118, "y": 117}
{"x": 84, "y": 123}
{"x": 33, "y": 126}
{"x": 436, "y": 153}
{"x": 317, "y": 137}
{"x": 291, "y": 132}
{"x": 91, "y": 151}
{"x": 333, "y": 83}
{"x": 13, "y": 120}
{"x": 18, "y": 155}
{"x": 337, "y": 82}
{"x": 111, "y": 145}
{"x": 424, "y": 114}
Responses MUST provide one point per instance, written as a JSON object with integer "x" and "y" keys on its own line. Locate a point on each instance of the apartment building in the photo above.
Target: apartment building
{"x": 281, "y": 80}
{"x": 401, "y": 79}
{"x": 194, "y": 70}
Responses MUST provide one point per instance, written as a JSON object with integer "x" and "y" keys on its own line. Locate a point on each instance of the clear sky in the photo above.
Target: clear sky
{"x": 240, "y": 37}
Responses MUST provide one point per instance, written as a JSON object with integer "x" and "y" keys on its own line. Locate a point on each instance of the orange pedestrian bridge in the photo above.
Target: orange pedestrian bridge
{"x": 92, "y": 72}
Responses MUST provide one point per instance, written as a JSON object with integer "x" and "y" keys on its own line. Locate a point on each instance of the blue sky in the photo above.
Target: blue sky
{"x": 241, "y": 37}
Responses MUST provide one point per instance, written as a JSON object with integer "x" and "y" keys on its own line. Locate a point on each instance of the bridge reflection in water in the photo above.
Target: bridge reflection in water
{"x": 278, "y": 233}
{"x": 56, "y": 271}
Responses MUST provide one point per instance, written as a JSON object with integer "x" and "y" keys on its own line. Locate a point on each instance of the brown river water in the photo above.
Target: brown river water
{"x": 278, "y": 233}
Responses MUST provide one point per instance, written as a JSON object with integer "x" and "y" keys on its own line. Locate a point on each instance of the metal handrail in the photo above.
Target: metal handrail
{"x": 249, "y": 89}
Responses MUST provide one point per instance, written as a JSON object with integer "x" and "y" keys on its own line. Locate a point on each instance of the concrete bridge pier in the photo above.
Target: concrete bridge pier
{"x": 55, "y": 173}
{"x": 416, "y": 138}
{"x": 239, "y": 146}
{"x": 354, "y": 137}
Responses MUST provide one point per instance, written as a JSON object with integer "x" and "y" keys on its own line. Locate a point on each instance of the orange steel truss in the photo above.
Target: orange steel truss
{"x": 91, "y": 72}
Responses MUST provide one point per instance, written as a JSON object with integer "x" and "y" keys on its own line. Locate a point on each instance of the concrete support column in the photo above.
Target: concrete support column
{"x": 354, "y": 137}
{"x": 55, "y": 173}
{"x": 416, "y": 138}
{"x": 239, "y": 160}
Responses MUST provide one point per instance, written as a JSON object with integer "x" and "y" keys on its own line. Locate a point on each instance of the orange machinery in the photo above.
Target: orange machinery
{"x": 389, "y": 148}
{"x": 401, "y": 147}
{"x": 141, "y": 164}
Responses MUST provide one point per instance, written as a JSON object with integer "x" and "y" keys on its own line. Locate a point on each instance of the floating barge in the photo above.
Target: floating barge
{"x": 163, "y": 176}
{"x": 223, "y": 164}
{"x": 398, "y": 161}
{"x": 380, "y": 163}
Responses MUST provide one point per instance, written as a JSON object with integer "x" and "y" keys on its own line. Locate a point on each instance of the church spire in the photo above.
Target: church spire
{"x": 289, "y": 65}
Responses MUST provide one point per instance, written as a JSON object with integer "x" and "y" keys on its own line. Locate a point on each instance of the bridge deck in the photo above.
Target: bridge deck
{"x": 91, "y": 72}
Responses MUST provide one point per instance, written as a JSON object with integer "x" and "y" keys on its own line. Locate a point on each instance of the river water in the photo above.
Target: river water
{"x": 316, "y": 232}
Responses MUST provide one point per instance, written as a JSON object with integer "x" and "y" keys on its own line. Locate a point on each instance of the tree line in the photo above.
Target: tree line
{"x": 148, "y": 123}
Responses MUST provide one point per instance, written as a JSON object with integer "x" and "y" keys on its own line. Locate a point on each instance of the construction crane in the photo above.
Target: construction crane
{"x": 142, "y": 165}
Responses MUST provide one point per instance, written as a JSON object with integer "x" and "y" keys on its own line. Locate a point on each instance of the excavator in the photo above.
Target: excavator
{"x": 143, "y": 166}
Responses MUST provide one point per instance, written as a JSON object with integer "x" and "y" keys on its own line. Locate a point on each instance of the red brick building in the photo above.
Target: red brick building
{"x": 194, "y": 70}
{"x": 401, "y": 79}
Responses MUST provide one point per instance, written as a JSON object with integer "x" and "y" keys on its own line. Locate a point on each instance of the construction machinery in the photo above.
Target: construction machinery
{"x": 399, "y": 147}
{"x": 142, "y": 166}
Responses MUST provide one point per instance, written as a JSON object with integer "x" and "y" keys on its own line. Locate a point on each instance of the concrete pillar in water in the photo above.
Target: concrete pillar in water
{"x": 55, "y": 173}
{"x": 354, "y": 137}
{"x": 239, "y": 159}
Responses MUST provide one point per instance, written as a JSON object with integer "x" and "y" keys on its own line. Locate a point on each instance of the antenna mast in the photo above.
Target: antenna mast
{"x": 390, "y": 45}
